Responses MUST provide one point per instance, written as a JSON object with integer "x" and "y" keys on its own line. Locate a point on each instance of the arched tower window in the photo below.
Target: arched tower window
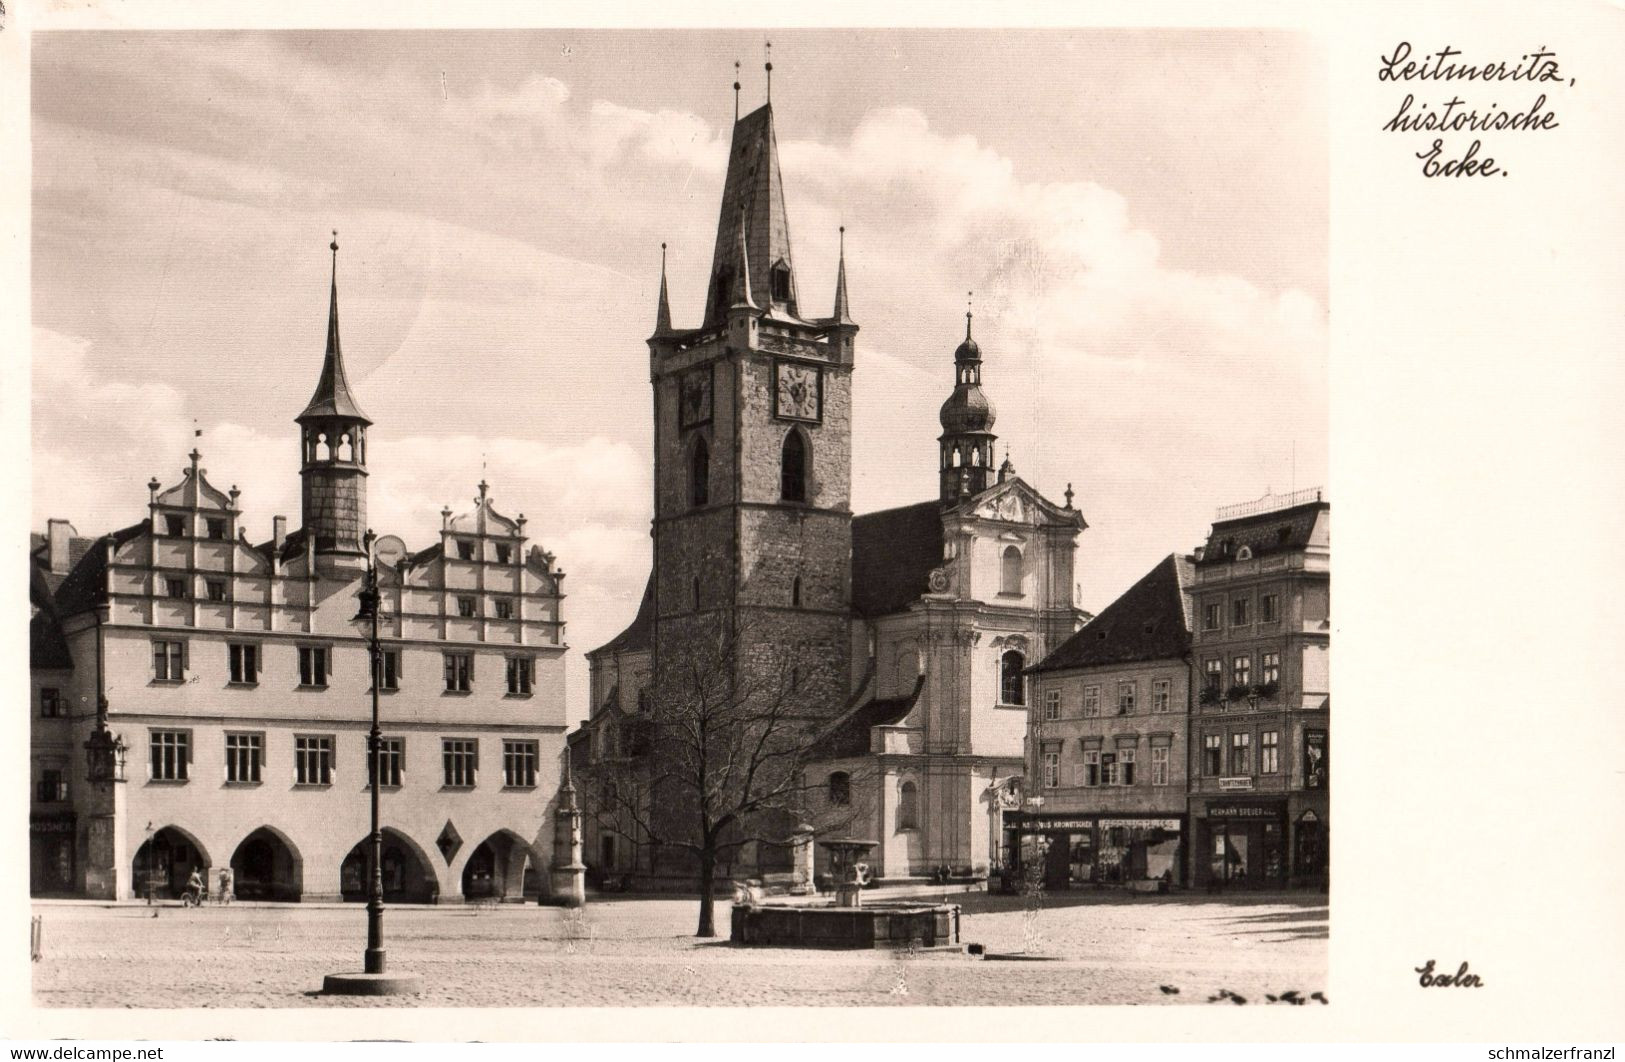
{"x": 699, "y": 474}
{"x": 781, "y": 282}
{"x": 795, "y": 592}
{"x": 908, "y": 807}
{"x": 793, "y": 468}
{"x": 956, "y": 457}
{"x": 840, "y": 789}
{"x": 1012, "y": 686}
{"x": 346, "y": 448}
{"x": 1010, "y": 571}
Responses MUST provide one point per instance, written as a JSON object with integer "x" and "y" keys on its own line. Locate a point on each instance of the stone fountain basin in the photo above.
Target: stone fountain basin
{"x": 898, "y": 924}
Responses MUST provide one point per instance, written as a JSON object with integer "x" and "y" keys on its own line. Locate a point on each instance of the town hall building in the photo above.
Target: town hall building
{"x": 202, "y": 702}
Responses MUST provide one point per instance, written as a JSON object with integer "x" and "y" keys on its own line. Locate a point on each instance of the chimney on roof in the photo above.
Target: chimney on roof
{"x": 279, "y": 532}
{"x": 58, "y": 534}
{"x": 1198, "y": 552}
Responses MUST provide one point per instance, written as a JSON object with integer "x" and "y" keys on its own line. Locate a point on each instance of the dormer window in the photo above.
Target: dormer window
{"x": 781, "y": 282}
{"x": 175, "y": 526}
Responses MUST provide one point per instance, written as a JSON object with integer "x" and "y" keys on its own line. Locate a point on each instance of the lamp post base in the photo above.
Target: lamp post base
{"x": 372, "y": 984}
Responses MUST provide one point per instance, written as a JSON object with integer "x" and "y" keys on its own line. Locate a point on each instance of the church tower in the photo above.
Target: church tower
{"x": 966, "y": 461}
{"x": 333, "y": 456}
{"x": 753, "y": 462}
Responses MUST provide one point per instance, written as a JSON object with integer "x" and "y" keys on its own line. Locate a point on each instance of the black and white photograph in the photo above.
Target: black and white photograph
{"x": 745, "y": 516}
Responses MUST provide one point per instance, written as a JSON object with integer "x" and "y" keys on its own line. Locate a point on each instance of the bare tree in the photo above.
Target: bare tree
{"x": 718, "y": 760}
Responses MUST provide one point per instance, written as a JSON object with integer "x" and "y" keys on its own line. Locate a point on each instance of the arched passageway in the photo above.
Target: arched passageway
{"x": 408, "y": 877}
{"x": 499, "y": 869}
{"x": 266, "y": 866}
{"x": 164, "y": 862}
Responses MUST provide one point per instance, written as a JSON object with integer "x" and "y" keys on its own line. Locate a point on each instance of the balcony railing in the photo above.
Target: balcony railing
{"x": 1269, "y": 503}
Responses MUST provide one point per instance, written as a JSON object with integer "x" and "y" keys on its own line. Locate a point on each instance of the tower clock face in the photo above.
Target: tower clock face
{"x": 797, "y": 392}
{"x": 694, "y": 398}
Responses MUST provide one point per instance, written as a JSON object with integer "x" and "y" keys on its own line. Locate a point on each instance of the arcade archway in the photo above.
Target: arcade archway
{"x": 408, "y": 877}
{"x": 266, "y": 866}
{"x": 165, "y": 862}
{"x": 500, "y": 868}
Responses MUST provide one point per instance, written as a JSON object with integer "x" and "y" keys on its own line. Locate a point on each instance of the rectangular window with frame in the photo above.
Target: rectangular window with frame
{"x": 1052, "y": 705}
{"x": 217, "y": 529}
{"x": 1269, "y": 752}
{"x": 1161, "y": 695}
{"x": 313, "y": 759}
{"x": 1052, "y": 770}
{"x": 1241, "y": 670}
{"x": 1091, "y": 767}
{"x": 1213, "y": 673}
{"x": 175, "y": 526}
{"x": 1125, "y": 766}
{"x": 1269, "y": 608}
{"x": 169, "y": 661}
{"x": 465, "y": 549}
{"x": 1270, "y": 666}
{"x": 521, "y": 671}
{"x": 1125, "y": 698}
{"x": 504, "y": 607}
{"x": 1091, "y": 700}
{"x": 460, "y": 758}
{"x": 170, "y": 755}
{"x": 50, "y": 702}
{"x": 1240, "y": 610}
{"x": 1241, "y": 754}
{"x": 465, "y": 607}
{"x": 245, "y": 754}
{"x": 519, "y": 760}
{"x": 391, "y": 761}
{"x": 389, "y": 669}
{"x": 459, "y": 672}
{"x": 1213, "y": 616}
{"x": 244, "y": 661}
{"x": 1212, "y": 755}
{"x": 1159, "y": 765}
{"x": 504, "y": 553}
{"x": 313, "y": 665}
{"x": 53, "y": 786}
{"x": 175, "y": 588}
{"x": 216, "y": 589}
{"x": 1108, "y": 768}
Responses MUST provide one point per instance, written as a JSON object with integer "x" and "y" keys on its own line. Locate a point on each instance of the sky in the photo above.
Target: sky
{"x": 1141, "y": 215}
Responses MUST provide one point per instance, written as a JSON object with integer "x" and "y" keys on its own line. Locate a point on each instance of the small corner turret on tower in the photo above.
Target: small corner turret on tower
{"x": 333, "y": 454}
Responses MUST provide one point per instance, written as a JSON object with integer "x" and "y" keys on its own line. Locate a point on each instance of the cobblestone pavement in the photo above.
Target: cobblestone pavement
{"x": 632, "y": 951}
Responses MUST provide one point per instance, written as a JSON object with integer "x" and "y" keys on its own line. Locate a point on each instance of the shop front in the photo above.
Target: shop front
{"x": 52, "y": 842}
{"x": 1242, "y": 843}
{"x": 1072, "y": 851}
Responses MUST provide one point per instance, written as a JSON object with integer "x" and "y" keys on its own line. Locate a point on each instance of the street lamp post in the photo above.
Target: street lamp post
{"x": 373, "y": 980}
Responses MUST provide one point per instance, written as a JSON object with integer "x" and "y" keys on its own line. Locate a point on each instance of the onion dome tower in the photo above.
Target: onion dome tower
{"x": 333, "y": 456}
{"x": 967, "y": 427}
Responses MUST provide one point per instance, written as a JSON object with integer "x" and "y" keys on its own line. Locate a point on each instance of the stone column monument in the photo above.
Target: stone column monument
{"x": 568, "y": 875}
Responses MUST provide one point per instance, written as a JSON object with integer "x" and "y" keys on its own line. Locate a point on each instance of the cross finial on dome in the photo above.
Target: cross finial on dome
{"x": 969, "y": 295}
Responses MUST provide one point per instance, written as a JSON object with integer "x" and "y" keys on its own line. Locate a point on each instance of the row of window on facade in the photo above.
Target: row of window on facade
{"x": 1127, "y": 699}
{"x": 1103, "y": 768}
{"x": 1242, "y": 684}
{"x": 179, "y": 588}
{"x": 244, "y": 660}
{"x": 1241, "y": 611}
{"x": 214, "y": 529}
{"x": 171, "y": 756}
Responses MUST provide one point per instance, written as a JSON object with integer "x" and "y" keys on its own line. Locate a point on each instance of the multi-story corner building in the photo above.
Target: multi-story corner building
{"x": 1260, "y": 729}
{"x": 1106, "y": 780}
{"x": 219, "y": 692}
{"x": 910, "y": 629}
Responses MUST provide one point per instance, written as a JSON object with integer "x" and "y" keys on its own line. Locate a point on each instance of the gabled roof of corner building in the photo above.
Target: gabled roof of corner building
{"x": 1277, "y": 532}
{"x": 1149, "y": 621}
{"x": 82, "y": 590}
{"x": 640, "y": 634}
{"x": 893, "y": 554}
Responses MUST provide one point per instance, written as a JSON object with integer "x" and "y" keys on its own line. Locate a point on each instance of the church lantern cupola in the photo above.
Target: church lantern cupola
{"x": 967, "y": 427}
{"x": 333, "y": 456}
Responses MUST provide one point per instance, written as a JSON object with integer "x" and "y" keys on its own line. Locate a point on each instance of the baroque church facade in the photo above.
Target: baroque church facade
{"x": 907, "y": 633}
{"x": 202, "y": 702}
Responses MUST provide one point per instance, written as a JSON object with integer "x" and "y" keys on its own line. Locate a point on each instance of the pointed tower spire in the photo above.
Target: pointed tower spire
{"x": 752, "y": 193}
{"x": 663, "y": 311}
{"x": 841, "y": 315}
{"x": 332, "y": 396}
